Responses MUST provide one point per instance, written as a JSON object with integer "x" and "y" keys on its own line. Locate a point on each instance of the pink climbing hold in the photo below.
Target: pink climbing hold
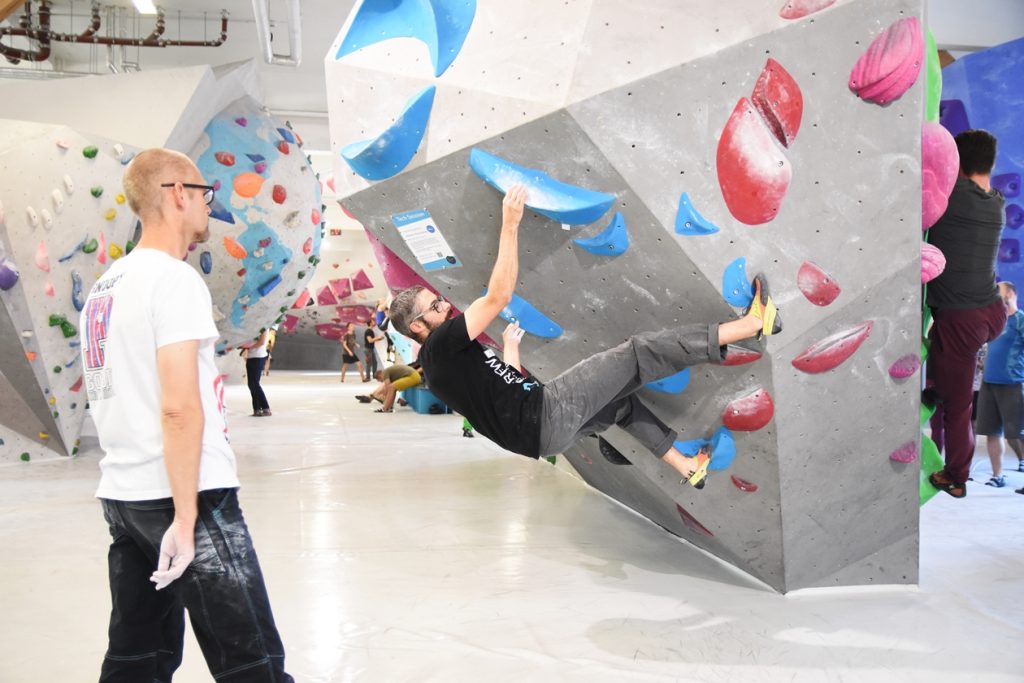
{"x": 797, "y": 9}
{"x": 279, "y": 194}
{"x": 341, "y": 288}
{"x": 260, "y": 166}
{"x": 101, "y": 253}
{"x": 330, "y": 331}
{"x": 933, "y": 262}
{"x": 354, "y": 314}
{"x": 48, "y": 289}
{"x": 330, "y": 183}
{"x": 265, "y": 242}
{"x": 749, "y": 413}
{"x": 289, "y": 323}
{"x": 361, "y": 281}
{"x": 891, "y": 63}
{"x": 303, "y": 299}
{"x": 940, "y": 164}
{"x": 691, "y": 522}
{"x": 831, "y": 351}
{"x": 42, "y": 257}
{"x": 905, "y": 366}
{"x": 63, "y": 144}
{"x": 325, "y": 297}
{"x": 816, "y": 285}
{"x": 743, "y": 484}
{"x": 778, "y": 99}
{"x": 753, "y": 173}
{"x": 905, "y": 453}
{"x": 225, "y": 158}
{"x": 315, "y": 216}
{"x": 307, "y": 246}
{"x": 242, "y": 121}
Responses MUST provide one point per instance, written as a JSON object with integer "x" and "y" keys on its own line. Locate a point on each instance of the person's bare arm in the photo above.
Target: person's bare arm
{"x": 181, "y": 418}
{"x": 502, "y": 284}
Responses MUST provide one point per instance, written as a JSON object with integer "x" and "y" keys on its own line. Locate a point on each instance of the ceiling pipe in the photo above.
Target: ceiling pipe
{"x": 261, "y": 12}
{"x": 15, "y": 55}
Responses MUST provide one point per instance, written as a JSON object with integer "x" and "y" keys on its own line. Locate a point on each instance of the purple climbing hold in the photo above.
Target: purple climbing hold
{"x": 361, "y": 281}
{"x": 1007, "y": 183}
{"x": 8, "y": 274}
{"x": 260, "y": 167}
{"x": 1009, "y": 251}
{"x": 953, "y": 116}
{"x": 1014, "y": 216}
{"x": 905, "y": 366}
{"x": 206, "y": 262}
{"x": 242, "y": 121}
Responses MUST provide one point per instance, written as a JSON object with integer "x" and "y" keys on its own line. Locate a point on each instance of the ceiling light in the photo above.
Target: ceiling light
{"x": 144, "y": 6}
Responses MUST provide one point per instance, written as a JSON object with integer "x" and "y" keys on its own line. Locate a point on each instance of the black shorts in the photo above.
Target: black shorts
{"x": 1000, "y": 410}
{"x": 346, "y": 358}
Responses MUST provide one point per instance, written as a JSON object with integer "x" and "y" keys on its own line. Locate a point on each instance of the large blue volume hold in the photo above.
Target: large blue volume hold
{"x": 387, "y": 154}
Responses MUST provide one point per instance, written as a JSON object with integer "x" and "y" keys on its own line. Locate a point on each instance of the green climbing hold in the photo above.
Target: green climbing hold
{"x": 68, "y": 329}
{"x": 551, "y": 459}
{"x": 56, "y": 369}
{"x": 56, "y": 414}
{"x": 96, "y": 190}
{"x": 128, "y": 246}
{"x": 90, "y": 152}
{"x": 25, "y": 457}
{"x": 302, "y": 274}
{"x": 74, "y": 451}
{"x": 931, "y": 462}
{"x": 57, "y": 319}
{"x": 282, "y": 309}
{"x": 933, "y": 79}
{"x": 90, "y": 246}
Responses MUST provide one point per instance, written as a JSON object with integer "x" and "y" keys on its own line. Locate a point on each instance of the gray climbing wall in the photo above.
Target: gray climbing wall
{"x": 812, "y": 497}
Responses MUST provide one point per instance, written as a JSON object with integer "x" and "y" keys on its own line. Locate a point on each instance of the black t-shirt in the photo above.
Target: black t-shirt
{"x": 367, "y": 338}
{"x": 968, "y": 236}
{"x": 497, "y": 399}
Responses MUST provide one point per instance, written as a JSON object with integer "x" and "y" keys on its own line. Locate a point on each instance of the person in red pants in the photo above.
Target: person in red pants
{"x": 965, "y": 302}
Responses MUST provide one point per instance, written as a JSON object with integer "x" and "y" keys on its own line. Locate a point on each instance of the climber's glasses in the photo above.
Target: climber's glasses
{"x": 207, "y": 190}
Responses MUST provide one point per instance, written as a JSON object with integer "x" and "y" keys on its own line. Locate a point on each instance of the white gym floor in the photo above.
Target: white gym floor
{"x": 396, "y": 550}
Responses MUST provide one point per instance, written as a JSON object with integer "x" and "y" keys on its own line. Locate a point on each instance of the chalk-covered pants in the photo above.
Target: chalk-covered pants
{"x": 222, "y": 589}
{"x": 600, "y": 391}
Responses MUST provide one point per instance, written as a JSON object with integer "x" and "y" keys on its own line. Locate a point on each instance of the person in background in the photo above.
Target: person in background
{"x": 271, "y": 341}
{"x": 371, "y": 338}
{"x": 255, "y": 359}
{"x": 348, "y": 353}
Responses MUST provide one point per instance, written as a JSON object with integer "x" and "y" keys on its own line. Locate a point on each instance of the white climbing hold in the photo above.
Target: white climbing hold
{"x": 119, "y": 150}
{"x": 33, "y": 217}
{"x": 47, "y": 219}
{"x": 217, "y": 315}
{"x": 58, "y": 201}
{"x": 69, "y": 184}
{"x": 63, "y": 144}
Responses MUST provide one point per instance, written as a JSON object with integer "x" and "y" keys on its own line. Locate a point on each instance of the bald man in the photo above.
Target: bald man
{"x": 169, "y": 484}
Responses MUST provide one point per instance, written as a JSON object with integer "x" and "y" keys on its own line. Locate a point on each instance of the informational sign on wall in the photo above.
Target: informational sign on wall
{"x": 423, "y": 237}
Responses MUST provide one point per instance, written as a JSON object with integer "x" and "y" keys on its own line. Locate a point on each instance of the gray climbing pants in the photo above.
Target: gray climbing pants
{"x": 600, "y": 391}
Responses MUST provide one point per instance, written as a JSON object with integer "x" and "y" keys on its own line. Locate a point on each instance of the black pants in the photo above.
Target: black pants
{"x": 222, "y": 590}
{"x": 253, "y": 373}
{"x": 370, "y": 356}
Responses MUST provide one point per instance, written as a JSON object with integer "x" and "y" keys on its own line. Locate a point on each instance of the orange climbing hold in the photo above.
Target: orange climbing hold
{"x": 235, "y": 249}
{"x": 248, "y": 184}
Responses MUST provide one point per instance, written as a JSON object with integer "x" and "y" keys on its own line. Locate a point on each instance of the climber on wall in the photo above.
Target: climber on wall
{"x": 526, "y": 417}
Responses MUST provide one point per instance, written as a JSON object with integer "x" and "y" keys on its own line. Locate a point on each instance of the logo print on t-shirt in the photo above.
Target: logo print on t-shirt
{"x": 97, "y": 325}
{"x": 218, "y": 391}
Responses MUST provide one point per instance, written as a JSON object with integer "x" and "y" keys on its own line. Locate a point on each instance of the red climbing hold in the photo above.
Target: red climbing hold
{"x": 905, "y": 366}
{"x": 283, "y": 147}
{"x": 241, "y": 273}
{"x": 833, "y": 350}
{"x": 225, "y": 158}
{"x": 77, "y": 385}
{"x": 749, "y": 413}
{"x": 819, "y": 288}
{"x": 743, "y": 484}
{"x": 265, "y": 242}
{"x": 280, "y": 194}
{"x": 778, "y": 99}
{"x": 691, "y": 522}
{"x": 303, "y": 299}
{"x": 797, "y": 9}
{"x": 737, "y": 355}
{"x": 315, "y": 216}
{"x": 307, "y": 246}
{"x": 753, "y": 172}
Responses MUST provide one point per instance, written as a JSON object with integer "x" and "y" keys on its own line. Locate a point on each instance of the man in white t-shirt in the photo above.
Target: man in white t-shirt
{"x": 169, "y": 485}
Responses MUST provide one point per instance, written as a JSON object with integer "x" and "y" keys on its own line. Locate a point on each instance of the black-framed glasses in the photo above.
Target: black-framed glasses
{"x": 435, "y": 306}
{"x": 208, "y": 190}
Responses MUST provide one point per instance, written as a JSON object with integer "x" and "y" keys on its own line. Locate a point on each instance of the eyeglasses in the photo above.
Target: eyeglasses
{"x": 435, "y": 306}
{"x": 207, "y": 190}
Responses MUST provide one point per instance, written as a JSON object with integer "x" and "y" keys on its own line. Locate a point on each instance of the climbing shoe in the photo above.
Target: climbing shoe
{"x": 700, "y": 476}
{"x": 763, "y": 308}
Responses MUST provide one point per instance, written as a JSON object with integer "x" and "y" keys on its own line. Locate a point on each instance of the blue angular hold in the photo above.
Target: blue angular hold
{"x": 77, "y": 300}
{"x": 218, "y": 211}
{"x": 689, "y": 222}
{"x": 529, "y": 318}
{"x": 611, "y": 241}
{"x": 286, "y": 134}
{"x": 206, "y": 262}
{"x": 442, "y": 25}
{"x": 265, "y": 288}
{"x": 673, "y": 384}
{"x": 723, "y": 448}
{"x": 73, "y": 250}
{"x": 391, "y": 151}
{"x": 736, "y": 288}
{"x": 257, "y": 157}
{"x": 564, "y": 203}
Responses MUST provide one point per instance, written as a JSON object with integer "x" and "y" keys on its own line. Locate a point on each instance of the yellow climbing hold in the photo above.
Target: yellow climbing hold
{"x": 234, "y": 248}
{"x": 115, "y": 251}
{"x": 111, "y": 214}
{"x": 119, "y": 199}
{"x": 44, "y": 435}
{"x": 53, "y": 401}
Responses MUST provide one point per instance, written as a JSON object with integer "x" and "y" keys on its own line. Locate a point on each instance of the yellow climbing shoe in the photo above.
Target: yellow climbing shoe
{"x": 764, "y": 309}
{"x": 700, "y": 475}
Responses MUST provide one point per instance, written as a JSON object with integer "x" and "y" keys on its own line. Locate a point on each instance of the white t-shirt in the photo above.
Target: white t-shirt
{"x": 381, "y": 347}
{"x": 257, "y": 351}
{"x": 147, "y": 300}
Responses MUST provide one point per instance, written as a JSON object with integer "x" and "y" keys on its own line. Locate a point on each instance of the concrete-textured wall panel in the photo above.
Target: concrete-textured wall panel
{"x": 66, "y": 220}
{"x": 843, "y": 499}
{"x": 854, "y": 164}
{"x": 266, "y": 227}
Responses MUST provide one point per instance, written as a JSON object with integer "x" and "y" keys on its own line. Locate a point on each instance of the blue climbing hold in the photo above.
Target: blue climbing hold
{"x": 73, "y": 250}
{"x": 723, "y": 448}
{"x": 287, "y": 135}
{"x": 265, "y": 288}
{"x": 736, "y": 288}
{"x": 77, "y": 299}
{"x": 218, "y": 211}
{"x": 257, "y": 157}
{"x": 529, "y": 318}
{"x": 673, "y": 384}
{"x": 442, "y": 25}
{"x": 689, "y": 222}
{"x": 559, "y": 201}
{"x": 1007, "y": 183}
{"x": 391, "y": 151}
{"x": 611, "y": 241}
{"x": 206, "y": 262}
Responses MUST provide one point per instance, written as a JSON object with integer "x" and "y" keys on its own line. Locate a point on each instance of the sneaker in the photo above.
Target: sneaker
{"x": 764, "y": 309}
{"x": 402, "y": 402}
{"x": 1020, "y": 465}
{"x": 468, "y": 433}
{"x": 362, "y": 398}
{"x": 1020, "y": 490}
{"x": 258, "y": 413}
{"x": 999, "y": 482}
{"x": 266, "y": 413}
